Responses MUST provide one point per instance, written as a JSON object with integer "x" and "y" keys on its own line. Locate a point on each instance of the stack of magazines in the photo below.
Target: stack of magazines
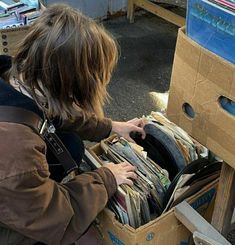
{"x": 154, "y": 192}
{"x": 15, "y": 14}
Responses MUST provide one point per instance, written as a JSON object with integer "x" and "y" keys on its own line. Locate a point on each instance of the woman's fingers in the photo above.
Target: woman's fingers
{"x": 128, "y": 182}
{"x": 131, "y": 175}
{"x": 139, "y": 130}
{"x": 129, "y": 170}
{"x": 137, "y": 122}
{"x": 125, "y": 128}
{"x": 127, "y": 166}
{"x": 124, "y": 164}
{"x": 123, "y": 172}
{"x": 134, "y": 120}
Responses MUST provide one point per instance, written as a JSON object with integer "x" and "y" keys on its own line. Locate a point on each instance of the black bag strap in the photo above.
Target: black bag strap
{"x": 60, "y": 151}
{"x": 46, "y": 130}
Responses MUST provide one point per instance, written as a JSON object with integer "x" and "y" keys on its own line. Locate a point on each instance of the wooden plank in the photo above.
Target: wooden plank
{"x": 193, "y": 221}
{"x": 160, "y": 11}
{"x": 225, "y": 200}
{"x": 201, "y": 239}
{"x": 130, "y": 11}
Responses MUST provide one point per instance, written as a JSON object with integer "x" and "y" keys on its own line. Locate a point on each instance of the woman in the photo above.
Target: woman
{"x": 61, "y": 71}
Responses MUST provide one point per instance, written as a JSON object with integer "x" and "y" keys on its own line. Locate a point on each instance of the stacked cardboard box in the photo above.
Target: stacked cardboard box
{"x": 199, "y": 79}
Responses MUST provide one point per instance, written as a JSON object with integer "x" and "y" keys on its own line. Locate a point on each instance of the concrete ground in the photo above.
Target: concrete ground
{"x": 146, "y": 57}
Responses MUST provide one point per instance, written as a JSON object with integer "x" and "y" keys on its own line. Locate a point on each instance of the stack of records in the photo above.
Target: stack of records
{"x": 169, "y": 145}
{"x": 143, "y": 201}
{"x": 157, "y": 188}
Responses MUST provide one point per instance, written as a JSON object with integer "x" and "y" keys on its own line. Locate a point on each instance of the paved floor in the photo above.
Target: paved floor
{"x": 145, "y": 63}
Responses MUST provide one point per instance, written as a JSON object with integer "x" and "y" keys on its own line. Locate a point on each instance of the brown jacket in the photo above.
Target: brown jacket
{"x": 37, "y": 207}
{"x": 89, "y": 127}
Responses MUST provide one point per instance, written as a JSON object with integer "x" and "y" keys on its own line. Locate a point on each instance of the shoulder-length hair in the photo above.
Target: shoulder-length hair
{"x": 68, "y": 58}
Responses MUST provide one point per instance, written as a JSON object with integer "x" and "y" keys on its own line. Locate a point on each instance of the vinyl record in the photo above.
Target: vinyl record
{"x": 162, "y": 149}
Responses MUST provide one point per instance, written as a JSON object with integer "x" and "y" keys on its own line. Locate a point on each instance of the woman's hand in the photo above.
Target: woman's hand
{"x": 125, "y": 128}
{"x": 123, "y": 172}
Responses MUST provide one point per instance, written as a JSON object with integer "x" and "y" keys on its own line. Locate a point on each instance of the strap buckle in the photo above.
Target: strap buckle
{"x": 47, "y": 128}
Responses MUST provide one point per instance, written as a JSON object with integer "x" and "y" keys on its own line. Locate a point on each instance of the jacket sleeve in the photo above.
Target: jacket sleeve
{"x": 89, "y": 127}
{"x": 40, "y": 208}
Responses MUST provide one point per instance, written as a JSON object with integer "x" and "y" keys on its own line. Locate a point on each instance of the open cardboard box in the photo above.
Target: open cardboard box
{"x": 165, "y": 230}
{"x": 199, "y": 79}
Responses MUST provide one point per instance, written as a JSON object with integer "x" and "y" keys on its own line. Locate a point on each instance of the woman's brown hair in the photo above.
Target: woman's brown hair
{"x": 69, "y": 59}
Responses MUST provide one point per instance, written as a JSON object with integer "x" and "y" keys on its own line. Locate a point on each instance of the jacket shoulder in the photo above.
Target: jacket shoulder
{"x": 21, "y": 150}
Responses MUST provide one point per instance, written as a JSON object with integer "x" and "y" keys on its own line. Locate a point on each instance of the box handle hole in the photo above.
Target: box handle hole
{"x": 188, "y": 110}
{"x": 227, "y": 104}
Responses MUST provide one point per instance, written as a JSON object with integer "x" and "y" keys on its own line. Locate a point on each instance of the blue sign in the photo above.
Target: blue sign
{"x": 114, "y": 239}
{"x": 184, "y": 243}
{"x": 204, "y": 199}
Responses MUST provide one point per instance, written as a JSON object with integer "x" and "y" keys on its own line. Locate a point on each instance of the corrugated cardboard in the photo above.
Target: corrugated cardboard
{"x": 165, "y": 230}
{"x": 10, "y": 38}
{"x": 199, "y": 78}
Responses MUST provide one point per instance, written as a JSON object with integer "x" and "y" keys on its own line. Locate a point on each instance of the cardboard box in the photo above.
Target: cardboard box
{"x": 199, "y": 79}
{"x": 10, "y": 39}
{"x": 165, "y": 230}
{"x": 212, "y": 26}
